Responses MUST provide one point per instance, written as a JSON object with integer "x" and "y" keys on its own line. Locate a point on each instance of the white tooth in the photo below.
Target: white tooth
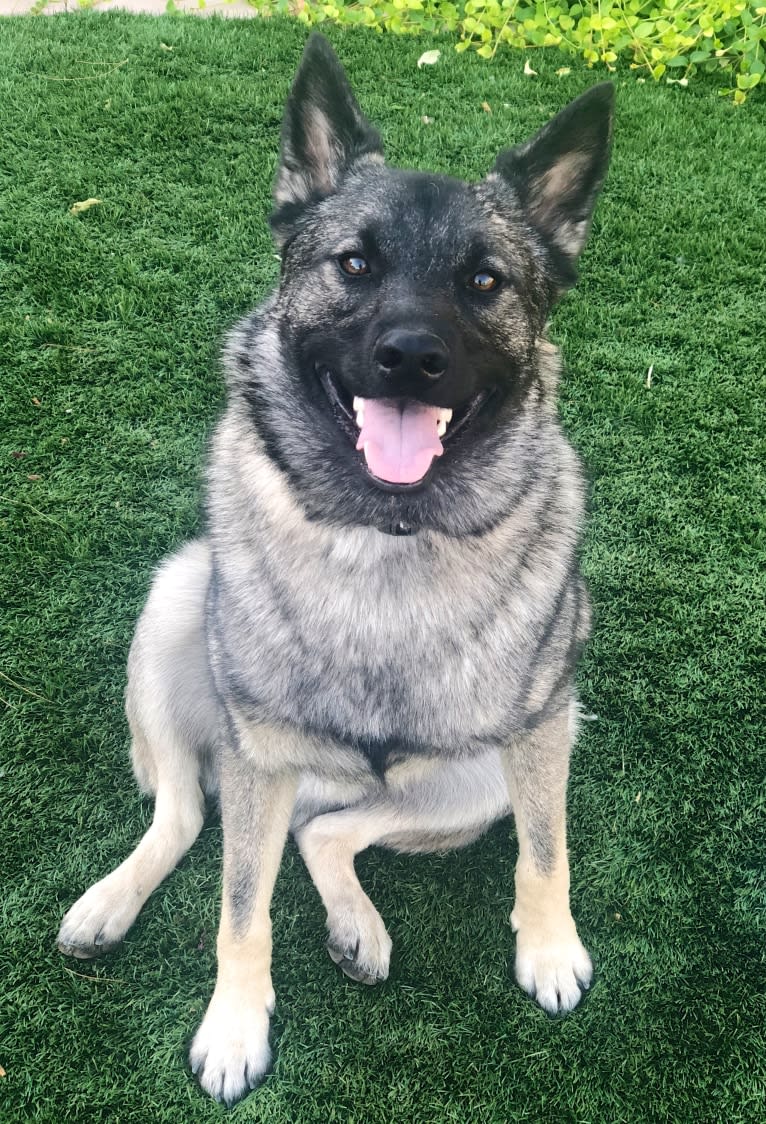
{"x": 360, "y": 418}
{"x": 441, "y": 427}
{"x": 358, "y": 404}
{"x": 445, "y": 415}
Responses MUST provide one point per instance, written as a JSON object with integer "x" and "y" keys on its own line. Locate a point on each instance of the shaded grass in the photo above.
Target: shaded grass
{"x": 111, "y": 323}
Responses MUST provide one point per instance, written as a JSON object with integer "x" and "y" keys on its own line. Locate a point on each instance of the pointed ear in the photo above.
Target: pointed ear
{"x": 559, "y": 172}
{"x": 324, "y": 131}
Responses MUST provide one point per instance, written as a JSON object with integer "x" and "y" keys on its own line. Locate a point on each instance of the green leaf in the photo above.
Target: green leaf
{"x": 747, "y": 81}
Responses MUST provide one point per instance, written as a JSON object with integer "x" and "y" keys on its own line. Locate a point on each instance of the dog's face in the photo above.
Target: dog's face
{"x": 411, "y": 307}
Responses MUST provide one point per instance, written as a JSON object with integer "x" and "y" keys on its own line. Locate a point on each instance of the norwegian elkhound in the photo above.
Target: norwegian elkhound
{"x": 375, "y": 641}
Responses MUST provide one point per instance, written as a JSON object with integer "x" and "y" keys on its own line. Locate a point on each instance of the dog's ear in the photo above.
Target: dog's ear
{"x": 559, "y": 172}
{"x": 324, "y": 131}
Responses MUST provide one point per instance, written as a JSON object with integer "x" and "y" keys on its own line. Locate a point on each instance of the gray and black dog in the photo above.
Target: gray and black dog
{"x": 375, "y": 642}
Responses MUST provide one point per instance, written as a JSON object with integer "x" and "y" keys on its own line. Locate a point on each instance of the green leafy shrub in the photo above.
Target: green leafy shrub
{"x": 674, "y": 39}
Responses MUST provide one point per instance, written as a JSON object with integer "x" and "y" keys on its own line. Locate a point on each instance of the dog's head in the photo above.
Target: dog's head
{"x": 411, "y": 307}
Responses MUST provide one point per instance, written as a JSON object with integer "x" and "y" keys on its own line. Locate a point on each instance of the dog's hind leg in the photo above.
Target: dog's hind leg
{"x": 357, "y": 940}
{"x": 99, "y": 920}
{"x": 172, "y": 713}
{"x": 446, "y": 808}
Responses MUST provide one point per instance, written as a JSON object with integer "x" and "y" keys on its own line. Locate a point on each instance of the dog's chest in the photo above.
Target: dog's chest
{"x": 401, "y": 643}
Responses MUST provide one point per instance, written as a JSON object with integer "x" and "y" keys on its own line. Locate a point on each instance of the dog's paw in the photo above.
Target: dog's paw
{"x": 553, "y": 967}
{"x": 98, "y": 921}
{"x": 230, "y": 1053}
{"x": 359, "y": 943}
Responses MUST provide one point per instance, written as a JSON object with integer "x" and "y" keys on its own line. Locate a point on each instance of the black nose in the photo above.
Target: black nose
{"x": 409, "y": 353}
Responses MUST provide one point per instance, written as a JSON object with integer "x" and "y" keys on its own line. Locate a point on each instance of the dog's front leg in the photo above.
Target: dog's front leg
{"x": 230, "y": 1052}
{"x": 551, "y": 963}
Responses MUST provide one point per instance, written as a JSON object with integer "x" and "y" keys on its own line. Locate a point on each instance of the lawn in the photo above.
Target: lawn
{"x": 110, "y": 326}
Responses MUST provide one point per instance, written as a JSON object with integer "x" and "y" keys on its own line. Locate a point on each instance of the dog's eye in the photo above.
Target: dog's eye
{"x": 484, "y": 281}
{"x": 354, "y": 265}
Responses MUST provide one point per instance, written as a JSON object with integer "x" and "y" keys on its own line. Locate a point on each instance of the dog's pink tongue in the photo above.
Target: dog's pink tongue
{"x": 399, "y": 439}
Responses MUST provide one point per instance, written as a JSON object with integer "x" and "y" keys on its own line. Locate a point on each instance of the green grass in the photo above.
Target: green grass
{"x": 111, "y": 322}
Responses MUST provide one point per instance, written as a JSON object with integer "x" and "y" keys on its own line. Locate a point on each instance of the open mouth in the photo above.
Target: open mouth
{"x": 399, "y": 438}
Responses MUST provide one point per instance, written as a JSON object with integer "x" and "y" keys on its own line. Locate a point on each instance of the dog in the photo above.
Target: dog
{"x": 375, "y": 641}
